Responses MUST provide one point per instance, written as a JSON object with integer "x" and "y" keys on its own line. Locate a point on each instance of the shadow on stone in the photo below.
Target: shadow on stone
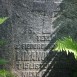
{"x": 59, "y": 64}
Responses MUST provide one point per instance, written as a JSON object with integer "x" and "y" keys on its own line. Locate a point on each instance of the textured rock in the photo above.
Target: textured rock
{"x": 33, "y": 32}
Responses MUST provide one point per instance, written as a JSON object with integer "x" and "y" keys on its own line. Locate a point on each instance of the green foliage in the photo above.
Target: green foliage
{"x": 3, "y": 61}
{"x": 2, "y": 42}
{"x": 5, "y": 73}
{"x": 67, "y": 22}
{"x": 3, "y": 19}
{"x": 66, "y": 44}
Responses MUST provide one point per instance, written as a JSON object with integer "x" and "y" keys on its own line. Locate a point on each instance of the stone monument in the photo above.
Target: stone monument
{"x": 32, "y": 27}
{"x": 32, "y": 33}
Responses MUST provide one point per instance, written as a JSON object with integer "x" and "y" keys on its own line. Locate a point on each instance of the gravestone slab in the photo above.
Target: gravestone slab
{"x": 33, "y": 27}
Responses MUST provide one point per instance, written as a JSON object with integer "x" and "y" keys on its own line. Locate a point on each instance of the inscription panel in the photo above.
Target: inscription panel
{"x": 29, "y": 57}
{"x": 32, "y": 38}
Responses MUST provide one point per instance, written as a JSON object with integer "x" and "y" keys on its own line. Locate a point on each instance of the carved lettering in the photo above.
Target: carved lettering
{"x": 30, "y": 74}
{"x": 33, "y": 46}
{"x": 43, "y": 38}
{"x": 31, "y": 56}
{"x": 27, "y": 65}
{"x": 28, "y": 30}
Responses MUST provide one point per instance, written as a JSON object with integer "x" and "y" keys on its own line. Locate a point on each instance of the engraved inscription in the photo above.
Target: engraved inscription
{"x": 28, "y": 30}
{"x": 33, "y": 46}
{"x": 43, "y": 38}
{"x": 36, "y": 35}
{"x": 28, "y": 65}
{"x": 30, "y": 56}
{"x": 25, "y": 46}
{"x": 32, "y": 74}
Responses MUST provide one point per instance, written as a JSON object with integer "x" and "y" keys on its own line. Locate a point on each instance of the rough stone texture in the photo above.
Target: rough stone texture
{"x": 32, "y": 32}
{"x": 5, "y": 34}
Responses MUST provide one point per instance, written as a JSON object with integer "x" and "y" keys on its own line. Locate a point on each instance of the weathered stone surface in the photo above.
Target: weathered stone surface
{"x": 32, "y": 31}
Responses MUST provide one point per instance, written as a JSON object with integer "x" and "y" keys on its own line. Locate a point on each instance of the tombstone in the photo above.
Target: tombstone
{"x": 32, "y": 29}
{"x": 29, "y": 35}
{"x": 32, "y": 33}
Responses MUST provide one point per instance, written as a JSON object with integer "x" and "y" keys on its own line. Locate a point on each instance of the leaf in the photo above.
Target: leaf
{"x": 66, "y": 44}
{"x": 3, "y": 61}
{"x": 6, "y": 73}
{"x": 3, "y": 19}
{"x": 3, "y": 73}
